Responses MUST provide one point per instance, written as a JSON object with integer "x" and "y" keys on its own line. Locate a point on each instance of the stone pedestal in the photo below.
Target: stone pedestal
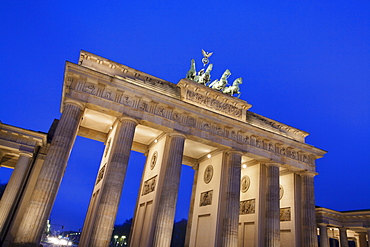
{"x": 343, "y": 237}
{"x": 324, "y": 239}
{"x": 230, "y": 217}
{"x": 13, "y": 188}
{"x": 309, "y": 230}
{"x": 172, "y": 160}
{"x": 34, "y": 219}
{"x": 107, "y": 207}
{"x": 272, "y": 227}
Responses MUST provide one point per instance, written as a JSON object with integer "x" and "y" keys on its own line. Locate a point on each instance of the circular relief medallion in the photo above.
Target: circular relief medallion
{"x": 245, "y": 183}
{"x": 208, "y": 174}
{"x": 153, "y": 162}
{"x": 281, "y": 192}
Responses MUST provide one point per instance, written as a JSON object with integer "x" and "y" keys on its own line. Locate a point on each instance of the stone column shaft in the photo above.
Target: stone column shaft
{"x": 324, "y": 238}
{"x": 309, "y": 230}
{"x": 362, "y": 238}
{"x": 111, "y": 191}
{"x": 47, "y": 185}
{"x": 172, "y": 160}
{"x": 343, "y": 237}
{"x": 272, "y": 235}
{"x": 191, "y": 210}
{"x": 230, "y": 221}
{"x": 15, "y": 183}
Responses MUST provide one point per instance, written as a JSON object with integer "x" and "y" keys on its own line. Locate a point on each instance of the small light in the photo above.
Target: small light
{"x": 209, "y": 156}
{"x": 155, "y": 141}
{"x": 111, "y": 127}
{"x": 244, "y": 166}
{"x": 115, "y": 236}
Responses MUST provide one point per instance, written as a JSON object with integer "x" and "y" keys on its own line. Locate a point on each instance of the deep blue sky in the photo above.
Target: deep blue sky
{"x": 303, "y": 63}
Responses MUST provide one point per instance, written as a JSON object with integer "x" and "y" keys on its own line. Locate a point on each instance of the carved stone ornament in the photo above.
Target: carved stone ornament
{"x": 247, "y": 206}
{"x": 153, "y": 162}
{"x": 281, "y": 193}
{"x": 206, "y": 198}
{"x": 285, "y": 214}
{"x": 107, "y": 148}
{"x": 245, "y": 183}
{"x": 100, "y": 174}
{"x": 149, "y": 185}
{"x": 208, "y": 174}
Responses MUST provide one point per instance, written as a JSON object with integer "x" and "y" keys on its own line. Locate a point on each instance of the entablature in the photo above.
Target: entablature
{"x": 117, "y": 96}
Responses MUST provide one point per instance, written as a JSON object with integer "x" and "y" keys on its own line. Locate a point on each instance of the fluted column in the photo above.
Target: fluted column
{"x": 172, "y": 160}
{"x": 47, "y": 185}
{"x": 272, "y": 236}
{"x": 230, "y": 216}
{"x": 14, "y": 186}
{"x": 191, "y": 210}
{"x": 112, "y": 188}
{"x": 343, "y": 237}
{"x": 309, "y": 230}
{"x": 324, "y": 238}
{"x": 362, "y": 238}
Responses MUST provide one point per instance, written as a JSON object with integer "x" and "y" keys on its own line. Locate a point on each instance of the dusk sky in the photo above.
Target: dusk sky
{"x": 303, "y": 63}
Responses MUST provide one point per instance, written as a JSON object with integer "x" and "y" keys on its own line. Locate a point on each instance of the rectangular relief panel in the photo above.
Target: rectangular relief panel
{"x": 203, "y": 231}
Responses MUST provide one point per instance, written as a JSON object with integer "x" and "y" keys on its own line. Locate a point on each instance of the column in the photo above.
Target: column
{"x": 191, "y": 210}
{"x": 309, "y": 230}
{"x": 230, "y": 221}
{"x": 343, "y": 237}
{"x": 111, "y": 191}
{"x": 362, "y": 238}
{"x": 14, "y": 186}
{"x": 324, "y": 238}
{"x": 368, "y": 236}
{"x": 272, "y": 232}
{"x": 47, "y": 185}
{"x": 172, "y": 160}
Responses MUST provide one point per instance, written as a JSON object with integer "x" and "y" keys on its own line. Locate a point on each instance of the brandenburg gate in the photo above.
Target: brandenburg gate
{"x": 253, "y": 180}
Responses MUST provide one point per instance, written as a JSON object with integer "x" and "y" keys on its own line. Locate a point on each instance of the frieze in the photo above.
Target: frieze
{"x": 186, "y": 119}
{"x": 149, "y": 185}
{"x": 206, "y": 198}
{"x": 214, "y": 104}
{"x": 247, "y": 206}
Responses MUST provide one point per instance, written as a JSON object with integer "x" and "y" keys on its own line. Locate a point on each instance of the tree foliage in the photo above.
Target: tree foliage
{"x": 178, "y": 233}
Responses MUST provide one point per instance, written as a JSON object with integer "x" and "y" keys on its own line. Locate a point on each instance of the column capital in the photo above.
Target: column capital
{"x": 234, "y": 152}
{"x": 175, "y": 133}
{"x": 272, "y": 164}
{"x": 307, "y": 173}
{"x": 322, "y": 224}
{"x": 68, "y": 101}
{"x": 25, "y": 153}
{"x": 124, "y": 118}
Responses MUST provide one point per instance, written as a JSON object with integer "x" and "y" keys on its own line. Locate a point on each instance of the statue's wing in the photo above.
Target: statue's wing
{"x": 206, "y": 54}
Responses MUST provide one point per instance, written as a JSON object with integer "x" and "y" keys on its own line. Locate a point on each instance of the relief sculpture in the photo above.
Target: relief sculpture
{"x": 149, "y": 185}
{"x": 247, "y": 206}
{"x": 206, "y": 198}
{"x": 285, "y": 214}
